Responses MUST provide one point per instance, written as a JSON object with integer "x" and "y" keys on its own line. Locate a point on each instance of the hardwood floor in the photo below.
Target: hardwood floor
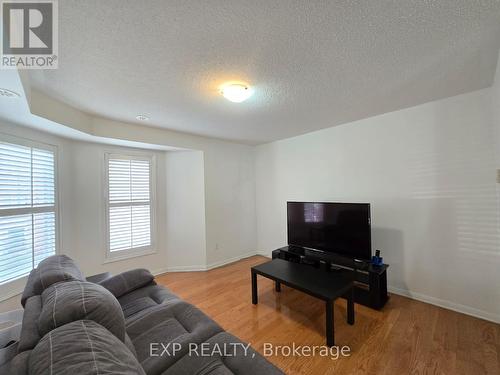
{"x": 406, "y": 337}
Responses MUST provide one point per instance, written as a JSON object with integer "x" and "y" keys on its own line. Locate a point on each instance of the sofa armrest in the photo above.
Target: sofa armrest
{"x": 128, "y": 281}
{"x": 100, "y": 277}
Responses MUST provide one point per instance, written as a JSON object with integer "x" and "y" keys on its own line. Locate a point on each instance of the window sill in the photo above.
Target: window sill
{"x": 11, "y": 294}
{"x": 116, "y": 258}
{"x": 13, "y": 288}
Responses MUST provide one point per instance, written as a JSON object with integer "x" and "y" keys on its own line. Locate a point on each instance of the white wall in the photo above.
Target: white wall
{"x": 229, "y": 184}
{"x": 185, "y": 216}
{"x": 429, "y": 173}
{"x": 496, "y": 109}
{"x": 86, "y": 201}
{"x": 230, "y": 203}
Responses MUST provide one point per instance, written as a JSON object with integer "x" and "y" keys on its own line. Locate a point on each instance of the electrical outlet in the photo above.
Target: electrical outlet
{"x": 216, "y": 246}
{"x": 498, "y": 176}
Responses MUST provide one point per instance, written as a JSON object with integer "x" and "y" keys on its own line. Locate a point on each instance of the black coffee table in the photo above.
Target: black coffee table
{"x": 325, "y": 285}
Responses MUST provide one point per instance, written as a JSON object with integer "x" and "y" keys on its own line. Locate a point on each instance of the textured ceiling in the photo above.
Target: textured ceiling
{"x": 313, "y": 64}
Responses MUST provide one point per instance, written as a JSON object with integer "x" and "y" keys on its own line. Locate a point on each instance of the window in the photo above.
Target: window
{"x": 129, "y": 204}
{"x": 27, "y": 208}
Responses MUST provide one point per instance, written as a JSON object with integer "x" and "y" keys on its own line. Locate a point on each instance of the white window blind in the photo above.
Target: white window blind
{"x": 129, "y": 204}
{"x": 27, "y": 209}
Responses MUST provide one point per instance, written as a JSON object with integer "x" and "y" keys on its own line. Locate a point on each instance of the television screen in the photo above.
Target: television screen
{"x": 341, "y": 228}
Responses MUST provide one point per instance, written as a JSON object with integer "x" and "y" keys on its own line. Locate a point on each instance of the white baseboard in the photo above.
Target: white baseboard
{"x": 264, "y": 254}
{"x": 198, "y": 268}
{"x": 221, "y": 263}
{"x": 464, "y": 309}
{"x": 194, "y": 268}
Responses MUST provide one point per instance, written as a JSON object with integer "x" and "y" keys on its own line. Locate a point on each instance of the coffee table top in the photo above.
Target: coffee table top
{"x": 319, "y": 283}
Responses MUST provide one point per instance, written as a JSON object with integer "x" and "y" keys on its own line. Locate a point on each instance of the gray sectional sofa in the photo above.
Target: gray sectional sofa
{"x": 124, "y": 324}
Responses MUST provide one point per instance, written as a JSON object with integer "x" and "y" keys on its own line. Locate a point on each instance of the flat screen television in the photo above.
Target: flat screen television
{"x": 340, "y": 228}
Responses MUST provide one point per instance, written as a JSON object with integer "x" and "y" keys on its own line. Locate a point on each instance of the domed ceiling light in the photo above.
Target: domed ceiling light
{"x": 236, "y": 92}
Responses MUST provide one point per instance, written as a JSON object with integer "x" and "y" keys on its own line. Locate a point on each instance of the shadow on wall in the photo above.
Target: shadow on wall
{"x": 390, "y": 242}
{"x": 458, "y": 165}
{"x": 418, "y": 239}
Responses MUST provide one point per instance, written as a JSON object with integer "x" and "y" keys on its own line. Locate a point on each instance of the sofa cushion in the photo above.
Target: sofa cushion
{"x": 29, "y": 329}
{"x": 140, "y": 300}
{"x": 140, "y": 304}
{"x": 100, "y": 277}
{"x": 18, "y": 365}
{"x": 29, "y": 289}
{"x": 227, "y": 356}
{"x": 130, "y": 345}
{"x": 178, "y": 322}
{"x": 82, "y": 347}
{"x": 128, "y": 281}
{"x": 50, "y": 271}
{"x": 67, "y": 302}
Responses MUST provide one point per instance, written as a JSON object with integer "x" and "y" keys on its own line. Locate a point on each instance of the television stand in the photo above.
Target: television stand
{"x": 370, "y": 281}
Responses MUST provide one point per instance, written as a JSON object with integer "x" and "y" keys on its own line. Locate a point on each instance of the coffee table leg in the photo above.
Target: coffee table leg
{"x": 255, "y": 298}
{"x": 330, "y": 334}
{"x": 277, "y": 286}
{"x": 350, "y": 307}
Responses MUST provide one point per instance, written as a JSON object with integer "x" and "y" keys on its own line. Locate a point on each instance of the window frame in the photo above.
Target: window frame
{"x": 13, "y": 287}
{"x": 112, "y": 256}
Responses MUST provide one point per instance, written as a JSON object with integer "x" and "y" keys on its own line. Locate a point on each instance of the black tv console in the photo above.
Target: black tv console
{"x": 370, "y": 281}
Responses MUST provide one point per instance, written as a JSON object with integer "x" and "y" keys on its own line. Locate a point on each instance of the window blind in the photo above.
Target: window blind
{"x": 27, "y": 209}
{"x": 129, "y": 203}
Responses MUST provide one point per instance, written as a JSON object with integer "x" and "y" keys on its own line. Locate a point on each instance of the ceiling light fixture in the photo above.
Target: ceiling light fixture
{"x": 9, "y": 94}
{"x": 236, "y": 92}
{"x": 142, "y": 117}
